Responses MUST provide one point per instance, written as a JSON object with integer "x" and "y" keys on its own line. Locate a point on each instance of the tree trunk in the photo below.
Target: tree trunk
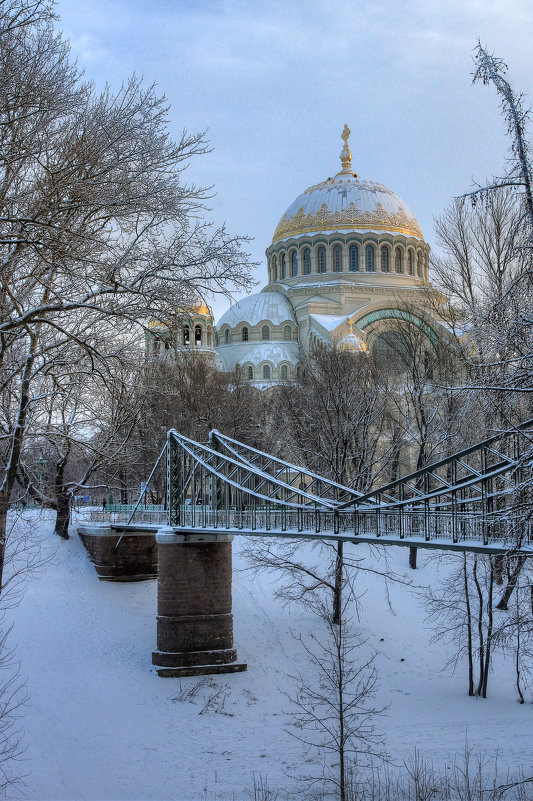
{"x": 3, "y": 532}
{"x": 469, "y": 629}
{"x": 511, "y": 583}
{"x": 481, "y": 642}
{"x": 498, "y": 569}
{"x": 63, "y": 501}
{"x": 337, "y": 591}
{"x": 488, "y": 649}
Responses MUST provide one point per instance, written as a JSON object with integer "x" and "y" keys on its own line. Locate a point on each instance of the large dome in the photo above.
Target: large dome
{"x": 347, "y": 203}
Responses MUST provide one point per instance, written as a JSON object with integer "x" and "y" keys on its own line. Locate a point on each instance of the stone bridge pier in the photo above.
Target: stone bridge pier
{"x": 194, "y": 617}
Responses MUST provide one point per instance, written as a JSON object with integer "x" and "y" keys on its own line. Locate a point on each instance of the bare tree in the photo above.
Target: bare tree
{"x": 461, "y": 610}
{"x": 334, "y": 714}
{"x": 331, "y": 421}
{"x": 96, "y": 223}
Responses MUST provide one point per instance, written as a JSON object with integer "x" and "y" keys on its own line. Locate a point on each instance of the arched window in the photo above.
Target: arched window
{"x": 266, "y": 372}
{"x": 354, "y": 259}
{"x": 197, "y": 334}
{"x": 420, "y": 257}
{"x": 385, "y": 263}
{"x": 283, "y": 266}
{"x": 274, "y": 268}
{"x": 410, "y": 262}
{"x": 265, "y": 332}
{"x": 307, "y": 261}
{"x": 398, "y": 260}
{"x": 321, "y": 256}
{"x": 337, "y": 259}
{"x": 294, "y": 263}
{"x": 287, "y": 333}
{"x": 370, "y": 264}
{"x": 250, "y": 373}
{"x": 284, "y": 373}
{"x": 244, "y": 334}
{"x": 228, "y": 336}
{"x": 186, "y": 335}
{"x": 209, "y": 339}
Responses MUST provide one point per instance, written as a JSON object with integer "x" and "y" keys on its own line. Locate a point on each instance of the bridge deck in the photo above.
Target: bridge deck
{"x": 436, "y": 543}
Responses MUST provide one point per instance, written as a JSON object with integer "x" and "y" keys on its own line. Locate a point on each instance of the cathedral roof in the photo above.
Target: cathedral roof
{"x": 274, "y": 352}
{"x": 347, "y": 203}
{"x": 273, "y": 307}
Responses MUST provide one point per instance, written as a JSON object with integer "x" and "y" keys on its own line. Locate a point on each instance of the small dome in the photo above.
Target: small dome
{"x": 271, "y": 306}
{"x": 274, "y": 352}
{"x": 347, "y": 203}
{"x": 352, "y": 342}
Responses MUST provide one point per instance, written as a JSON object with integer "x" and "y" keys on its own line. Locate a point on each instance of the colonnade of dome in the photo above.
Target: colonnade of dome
{"x": 363, "y": 254}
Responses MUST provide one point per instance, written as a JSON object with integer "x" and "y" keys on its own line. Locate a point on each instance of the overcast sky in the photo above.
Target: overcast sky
{"x": 275, "y": 82}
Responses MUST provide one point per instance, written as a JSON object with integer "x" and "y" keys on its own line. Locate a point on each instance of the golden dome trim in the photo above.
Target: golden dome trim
{"x": 349, "y": 218}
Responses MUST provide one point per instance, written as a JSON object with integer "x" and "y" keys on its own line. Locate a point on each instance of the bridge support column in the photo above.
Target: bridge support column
{"x": 194, "y": 618}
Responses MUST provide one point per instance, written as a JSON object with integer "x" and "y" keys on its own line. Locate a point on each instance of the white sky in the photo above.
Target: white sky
{"x": 274, "y": 82}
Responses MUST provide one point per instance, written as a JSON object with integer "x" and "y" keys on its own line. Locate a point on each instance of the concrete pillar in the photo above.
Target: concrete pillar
{"x": 194, "y": 618}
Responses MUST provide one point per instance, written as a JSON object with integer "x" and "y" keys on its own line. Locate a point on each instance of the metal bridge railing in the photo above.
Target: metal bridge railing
{"x": 482, "y": 494}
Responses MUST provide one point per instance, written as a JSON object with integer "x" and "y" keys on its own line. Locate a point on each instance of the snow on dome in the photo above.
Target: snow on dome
{"x": 271, "y": 306}
{"x": 352, "y": 342}
{"x": 347, "y": 203}
{"x": 274, "y": 352}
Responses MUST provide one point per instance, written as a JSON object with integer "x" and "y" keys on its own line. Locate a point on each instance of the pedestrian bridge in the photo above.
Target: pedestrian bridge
{"x": 479, "y": 499}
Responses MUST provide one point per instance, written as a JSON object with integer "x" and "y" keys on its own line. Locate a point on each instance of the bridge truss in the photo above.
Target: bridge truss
{"x": 479, "y": 499}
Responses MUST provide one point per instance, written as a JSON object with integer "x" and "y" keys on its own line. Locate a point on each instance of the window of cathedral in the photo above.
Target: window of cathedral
{"x": 250, "y": 373}
{"x": 370, "y": 264}
{"x": 307, "y": 261}
{"x": 393, "y": 350}
{"x": 398, "y": 260}
{"x": 284, "y": 373}
{"x": 266, "y": 372}
{"x": 385, "y": 261}
{"x": 274, "y": 268}
{"x": 294, "y": 263}
{"x": 197, "y": 334}
{"x": 419, "y": 266}
{"x": 227, "y": 336}
{"x": 265, "y": 332}
{"x": 209, "y": 339}
{"x": 244, "y": 334}
{"x": 337, "y": 259}
{"x": 321, "y": 256}
{"x": 287, "y": 333}
{"x": 354, "y": 258}
{"x": 186, "y": 335}
{"x": 410, "y": 262}
{"x": 282, "y": 266}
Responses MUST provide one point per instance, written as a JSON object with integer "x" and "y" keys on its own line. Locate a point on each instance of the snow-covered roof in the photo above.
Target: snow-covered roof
{"x": 347, "y": 203}
{"x": 274, "y": 352}
{"x": 271, "y": 306}
{"x": 257, "y": 352}
{"x": 329, "y": 321}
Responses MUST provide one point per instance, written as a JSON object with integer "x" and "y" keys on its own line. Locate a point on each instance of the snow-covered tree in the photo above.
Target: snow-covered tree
{"x": 96, "y": 222}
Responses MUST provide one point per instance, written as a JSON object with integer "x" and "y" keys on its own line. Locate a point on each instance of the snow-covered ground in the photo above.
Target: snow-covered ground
{"x": 101, "y": 724}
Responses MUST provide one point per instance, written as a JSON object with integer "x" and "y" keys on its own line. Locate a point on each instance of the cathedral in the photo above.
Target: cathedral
{"x": 347, "y": 266}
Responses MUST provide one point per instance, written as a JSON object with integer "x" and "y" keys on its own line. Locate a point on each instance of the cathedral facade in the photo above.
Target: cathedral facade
{"x": 347, "y": 266}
